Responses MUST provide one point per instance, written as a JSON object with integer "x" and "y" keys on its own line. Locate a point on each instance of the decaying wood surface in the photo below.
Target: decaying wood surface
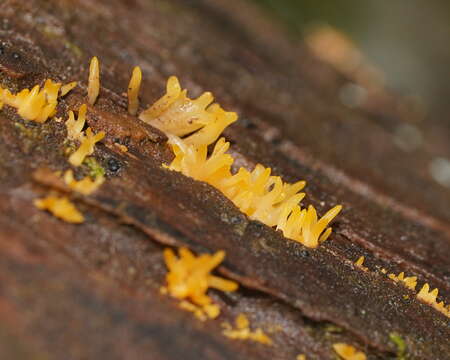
{"x": 91, "y": 291}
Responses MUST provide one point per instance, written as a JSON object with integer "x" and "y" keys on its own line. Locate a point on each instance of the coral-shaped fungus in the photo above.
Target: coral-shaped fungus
{"x": 75, "y": 127}
{"x": 410, "y": 281}
{"x": 36, "y": 104}
{"x": 242, "y": 331}
{"x": 192, "y": 125}
{"x": 178, "y": 115}
{"x": 189, "y": 279}
{"x": 430, "y": 297}
{"x": 61, "y": 207}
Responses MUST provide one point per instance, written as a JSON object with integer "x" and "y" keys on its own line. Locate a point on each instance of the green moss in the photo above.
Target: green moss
{"x": 333, "y": 329}
{"x": 400, "y": 344}
{"x": 94, "y": 169}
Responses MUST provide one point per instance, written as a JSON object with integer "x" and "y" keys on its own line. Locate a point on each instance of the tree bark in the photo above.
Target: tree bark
{"x": 91, "y": 291}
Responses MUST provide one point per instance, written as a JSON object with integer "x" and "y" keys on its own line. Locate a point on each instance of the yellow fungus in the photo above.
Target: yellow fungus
{"x": 61, "y": 208}
{"x": 360, "y": 263}
{"x": 189, "y": 278}
{"x": 212, "y": 130}
{"x": 348, "y": 352}
{"x": 301, "y": 357}
{"x": 242, "y": 331}
{"x": 94, "y": 80}
{"x": 179, "y": 115}
{"x": 410, "y": 282}
{"x": 75, "y": 127}
{"x": 196, "y": 163}
{"x": 305, "y": 227}
{"x": 430, "y": 297}
{"x": 133, "y": 90}
{"x": 36, "y": 104}
{"x": 202, "y": 313}
{"x": 65, "y": 89}
{"x": 261, "y": 196}
{"x": 86, "y": 148}
{"x": 121, "y": 147}
{"x": 257, "y": 193}
{"x": 86, "y": 186}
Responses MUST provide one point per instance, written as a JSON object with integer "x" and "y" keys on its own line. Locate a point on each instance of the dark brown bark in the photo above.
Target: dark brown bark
{"x": 92, "y": 290}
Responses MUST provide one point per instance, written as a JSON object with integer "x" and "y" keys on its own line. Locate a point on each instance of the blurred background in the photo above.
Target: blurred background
{"x": 407, "y": 40}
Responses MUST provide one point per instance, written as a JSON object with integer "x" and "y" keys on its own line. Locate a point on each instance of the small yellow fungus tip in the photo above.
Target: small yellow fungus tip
{"x": 189, "y": 279}
{"x": 61, "y": 207}
{"x": 410, "y": 282}
{"x": 430, "y": 297}
{"x": 86, "y": 186}
{"x": 301, "y": 357}
{"x": 87, "y": 147}
{"x": 75, "y": 127}
{"x": 348, "y": 352}
{"x": 360, "y": 263}
{"x": 242, "y": 331}
{"x": 65, "y": 89}
{"x": 94, "y": 81}
{"x": 133, "y": 91}
{"x": 121, "y": 147}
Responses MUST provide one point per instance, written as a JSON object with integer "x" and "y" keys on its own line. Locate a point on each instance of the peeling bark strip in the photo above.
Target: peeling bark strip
{"x": 103, "y": 272}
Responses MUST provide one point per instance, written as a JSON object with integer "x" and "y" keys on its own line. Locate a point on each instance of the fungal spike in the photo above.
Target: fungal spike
{"x": 94, "y": 80}
{"x": 133, "y": 91}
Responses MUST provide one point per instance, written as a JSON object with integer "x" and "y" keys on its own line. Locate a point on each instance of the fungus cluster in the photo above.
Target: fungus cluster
{"x": 242, "y": 331}
{"x": 430, "y": 297}
{"x": 192, "y": 125}
{"x": 189, "y": 278}
{"x": 37, "y": 104}
{"x": 410, "y": 281}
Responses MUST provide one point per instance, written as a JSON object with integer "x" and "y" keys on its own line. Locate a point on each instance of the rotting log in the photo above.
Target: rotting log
{"x": 92, "y": 290}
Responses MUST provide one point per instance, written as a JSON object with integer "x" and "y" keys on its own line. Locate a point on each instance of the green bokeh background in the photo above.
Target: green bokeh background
{"x": 408, "y": 39}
